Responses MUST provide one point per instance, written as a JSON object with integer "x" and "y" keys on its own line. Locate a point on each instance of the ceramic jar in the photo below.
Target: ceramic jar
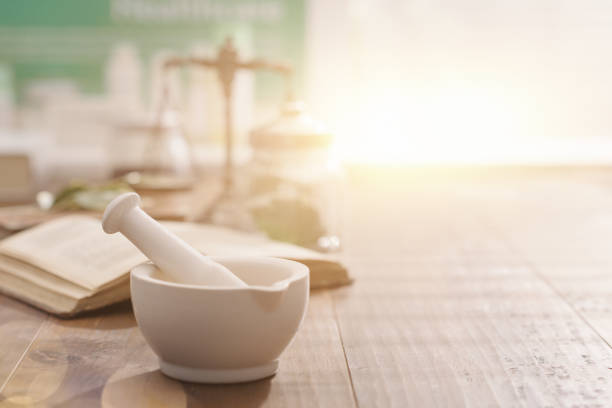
{"x": 294, "y": 181}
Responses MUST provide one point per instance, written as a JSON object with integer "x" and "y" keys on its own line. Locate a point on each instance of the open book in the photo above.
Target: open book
{"x": 69, "y": 265}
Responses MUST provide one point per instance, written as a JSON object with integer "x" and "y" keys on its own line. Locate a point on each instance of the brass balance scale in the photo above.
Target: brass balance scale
{"x": 289, "y": 174}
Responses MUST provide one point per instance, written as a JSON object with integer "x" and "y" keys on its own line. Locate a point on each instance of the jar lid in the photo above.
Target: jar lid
{"x": 293, "y": 129}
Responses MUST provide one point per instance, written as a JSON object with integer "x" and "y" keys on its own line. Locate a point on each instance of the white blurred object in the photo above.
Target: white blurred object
{"x": 123, "y": 77}
{"x": 86, "y": 121}
{"x": 58, "y": 109}
{"x": 203, "y": 112}
{"x": 60, "y": 112}
{"x": 43, "y": 92}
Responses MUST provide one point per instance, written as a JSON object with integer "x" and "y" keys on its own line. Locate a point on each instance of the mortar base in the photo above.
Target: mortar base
{"x": 218, "y": 376}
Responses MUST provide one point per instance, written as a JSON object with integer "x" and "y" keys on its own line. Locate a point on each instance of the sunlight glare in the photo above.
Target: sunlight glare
{"x": 460, "y": 124}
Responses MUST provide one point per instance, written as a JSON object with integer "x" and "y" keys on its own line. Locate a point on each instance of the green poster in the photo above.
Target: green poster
{"x": 72, "y": 39}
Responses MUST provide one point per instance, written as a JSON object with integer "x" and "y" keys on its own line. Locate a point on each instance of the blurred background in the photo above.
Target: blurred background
{"x": 86, "y": 92}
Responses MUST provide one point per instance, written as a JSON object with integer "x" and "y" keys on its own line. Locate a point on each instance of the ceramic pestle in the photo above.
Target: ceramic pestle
{"x": 170, "y": 253}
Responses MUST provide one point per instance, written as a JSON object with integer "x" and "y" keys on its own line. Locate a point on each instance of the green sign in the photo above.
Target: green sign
{"x": 72, "y": 39}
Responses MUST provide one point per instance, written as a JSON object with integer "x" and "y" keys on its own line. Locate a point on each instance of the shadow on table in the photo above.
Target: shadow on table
{"x": 155, "y": 389}
{"x": 251, "y": 394}
{"x": 117, "y": 316}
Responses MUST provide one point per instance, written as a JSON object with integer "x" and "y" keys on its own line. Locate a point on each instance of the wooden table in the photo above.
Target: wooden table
{"x": 473, "y": 288}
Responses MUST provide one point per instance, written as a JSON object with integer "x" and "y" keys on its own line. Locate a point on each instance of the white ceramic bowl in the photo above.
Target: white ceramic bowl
{"x": 222, "y": 335}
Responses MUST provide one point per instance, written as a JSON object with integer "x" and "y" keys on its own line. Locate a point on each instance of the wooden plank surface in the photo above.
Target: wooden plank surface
{"x": 472, "y": 288}
{"x": 102, "y": 360}
{"x": 569, "y": 244}
{"x": 490, "y": 335}
{"x": 455, "y": 315}
{"x": 19, "y": 325}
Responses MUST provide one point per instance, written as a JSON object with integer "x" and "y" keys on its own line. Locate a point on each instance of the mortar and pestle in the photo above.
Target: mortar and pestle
{"x": 209, "y": 319}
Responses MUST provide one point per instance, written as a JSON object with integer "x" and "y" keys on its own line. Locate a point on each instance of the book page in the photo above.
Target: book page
{"x": 325, "y": 270}
{"x": 219, "y": 241}
{"x": 76, "y": 249}
{"x": 41, "y": 278}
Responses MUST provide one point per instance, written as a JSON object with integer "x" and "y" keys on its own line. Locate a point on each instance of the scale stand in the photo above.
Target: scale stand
{"x": 227, "y": 63}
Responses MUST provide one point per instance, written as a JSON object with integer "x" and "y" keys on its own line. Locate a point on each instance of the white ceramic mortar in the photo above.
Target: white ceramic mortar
{"x": 222, "y": 335}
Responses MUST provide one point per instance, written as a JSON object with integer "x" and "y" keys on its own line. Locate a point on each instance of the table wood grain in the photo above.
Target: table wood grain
{"x": 473, "y": 287}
